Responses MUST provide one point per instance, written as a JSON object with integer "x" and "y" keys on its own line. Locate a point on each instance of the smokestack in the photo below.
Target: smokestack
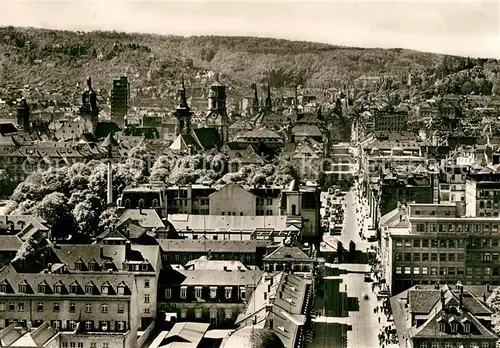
{"x": 461, "y": 296}
{"x": 442, "y": 298}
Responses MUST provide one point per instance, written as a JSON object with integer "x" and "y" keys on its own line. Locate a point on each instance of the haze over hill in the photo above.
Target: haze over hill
{"x": 58, "y": 60}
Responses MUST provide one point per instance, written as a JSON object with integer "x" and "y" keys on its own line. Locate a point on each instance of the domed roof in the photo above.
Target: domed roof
{"x": 253, "y": 337}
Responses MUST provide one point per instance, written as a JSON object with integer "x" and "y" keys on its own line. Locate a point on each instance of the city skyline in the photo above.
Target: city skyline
{"x": 469, "y": 28}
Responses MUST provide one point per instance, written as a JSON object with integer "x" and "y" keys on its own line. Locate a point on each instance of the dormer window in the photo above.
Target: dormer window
{"x": 121, "y": 290}
{"x": 3, "y": 288}
{"x": 79, "y": 265}
{"x": 105, "y": 289}
{"x": 454, "y": 327}
{"x": 466, "y": 327}
{"x": 42, "y": 288}
{"x": 145, "y": 267}
{"x": 89, "y": 289}
{"x": 74, "y": 288}
{"x": 58, "y": 288}
{"x": 23, "y": 288}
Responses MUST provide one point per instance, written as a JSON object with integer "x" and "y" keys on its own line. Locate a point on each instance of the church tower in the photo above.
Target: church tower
{"x": 216, "y": 114}
{"x": 89, "y": 106}
{"x": 255, "y": 102}
{"x": 269, "y": 102}
{"x": 183, "y": 112}
{"x": 23, "y": 116}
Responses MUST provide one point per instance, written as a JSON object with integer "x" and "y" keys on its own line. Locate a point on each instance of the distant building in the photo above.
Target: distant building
{"x": 120, "y": 100}
{"x": 391, "y": 120}
{"x": 482, "y": 194}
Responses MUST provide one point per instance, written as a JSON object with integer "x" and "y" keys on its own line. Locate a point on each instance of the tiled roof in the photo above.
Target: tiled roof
{"x": 208, "y": 138}
{"x": 203, "y": 263}
{"x": 214, "y": 246}
{"x": 10, "y": 243}
{"x": 288, "y": 252}
{"x": 307, "y": 130}
{"x": 211, "y": 277}
{"x": 223, "y": 222}
{"x": 147, "y": 218}
{"x": 13, "y": 279}
{"x": 263, "y": 133}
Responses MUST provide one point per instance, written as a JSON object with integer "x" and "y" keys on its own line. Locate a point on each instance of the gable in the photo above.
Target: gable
{"x": 231, "y": 191}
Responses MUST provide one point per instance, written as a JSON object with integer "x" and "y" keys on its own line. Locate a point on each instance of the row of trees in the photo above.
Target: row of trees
{"x": 72, "y": 200}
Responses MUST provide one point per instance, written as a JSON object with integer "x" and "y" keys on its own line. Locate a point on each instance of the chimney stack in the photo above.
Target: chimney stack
{"x": 265, "y": 296}
{"x": 442, "y": 298}
{"x": 461, "y": 296}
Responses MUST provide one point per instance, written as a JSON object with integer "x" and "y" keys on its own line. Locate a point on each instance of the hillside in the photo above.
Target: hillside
{"x": 57, "y": 60}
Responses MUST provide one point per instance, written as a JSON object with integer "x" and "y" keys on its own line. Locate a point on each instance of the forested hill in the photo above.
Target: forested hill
{"x": 59, "y": 59}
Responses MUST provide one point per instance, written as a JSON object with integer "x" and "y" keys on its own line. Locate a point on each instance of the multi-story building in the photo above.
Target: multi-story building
{"x": 437, "y": 243}
{"x": 189, "y": 199}
{"x": 443, "y": 316}
{"x": 391, "y": 120}
{"x": 482, "y": 194}
{"x": 181, "y": 251}
{"x": 120, "y": 100}
{"x": 99, "y": 293}
{"x": 278, "y": 306}
{"x": 452, "y": 180}
{"x": 211, "y": 295}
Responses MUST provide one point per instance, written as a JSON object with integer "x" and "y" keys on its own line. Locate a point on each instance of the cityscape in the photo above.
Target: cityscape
{"x": 151, "y": 201}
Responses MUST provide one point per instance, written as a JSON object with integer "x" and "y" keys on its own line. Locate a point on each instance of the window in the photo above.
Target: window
{"x": 88, "y": 326}
{"x": 93, "y": 345}
{"x": 398, "y": 270}
{"x": 72, "y": 324}
{"x": 104, "y": 289}
{"x": 435, "y": 345}
{"x": 146, "y": 298}
{"x": 2, "y": 306}
{"x": 20, "y": 307}
{"x": 145, "y": 267}
{"x": 433, "y": 270}
{"x": 23, "y": 288}
{"x": 467, "y": 327}
{"x": 213, "y": 292}
{"x": 88, "y": 308}
{"x": 416, "y": 270}
{"x": 121, "y": 325}
{"x": 105, "y": 345}
{"x": 121, "y": 290}
{"x": 57, "y": 289}
{"x": 183, "y": 313}
{"x": 242, "y": 292}
{"x": 89, "y": 289}
{"x": 168, "y": 293}
{"x": 146, "y": 310}
{"x": 423, "y": 344}
{"x": 228, "y": 313}
{"x": 197, "y": 292}
{"x": 104, "y": 308}
{"x": 41, "y": 288}
{"x": 146, "y": 283}
{"x": 121, "y": 308}
{"x": 72, "y": 307}
{"x": 64, "y": 344}
{"x": 183, "y": 292}
{"x": 80, "y": 344}
{"x": 12, "y": 307}
{"x": 448, "y": 345}
{"x": 198, "y": 313}
{"x": 73, "y": 289}
{"x": 407, "y": 270}
{"x": 485, "y": 345}
{"x": 228, "y": 292}
{"x": 55, "y": 307}
{"x": 72, "y": 344}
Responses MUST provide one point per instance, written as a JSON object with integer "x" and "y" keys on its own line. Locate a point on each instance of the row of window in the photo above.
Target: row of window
{"x": 454, "y": 345}
{"x": 458, "y": 227}
{"x": 447, "y": 243}
{"x": 80, "y": 345}
{"x": 417, "y": 257}
{"x": 59, "y": 288}
{"x": 178, "y": 257}
{"x": 56, "y": 307}
{"x": 198, "y": 313}
{"x": 89, "y": 325}
{"x": 444, "y": 257}
{"x": 198, "y": 292}
{"x": 459, "y": 271}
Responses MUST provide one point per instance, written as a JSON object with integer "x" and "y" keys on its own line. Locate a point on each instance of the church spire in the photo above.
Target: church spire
{"x": 269, "y": 103}
{"x": 255, "y": 102}
{"x": 183, "y": 104}
{"x": 183, "y": 112}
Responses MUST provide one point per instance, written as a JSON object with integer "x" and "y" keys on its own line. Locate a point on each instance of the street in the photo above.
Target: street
{"x": 345, "y": 318}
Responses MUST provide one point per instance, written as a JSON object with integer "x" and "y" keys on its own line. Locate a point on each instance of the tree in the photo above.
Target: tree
{"x": 6, "y": 184}
{"x": 161, "y": 169}
{"x": 466, "y": 88}
{"x": 26, "y": 248}
{"x": 494, "y": 302}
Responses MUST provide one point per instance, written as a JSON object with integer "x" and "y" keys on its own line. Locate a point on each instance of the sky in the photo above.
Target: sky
{"x": 463, "y": 27}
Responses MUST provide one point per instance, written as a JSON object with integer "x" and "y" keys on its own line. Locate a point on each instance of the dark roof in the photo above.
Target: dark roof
{"x": 104, "y": 128}
{"x": 7, "y": 128}
{"x": 146, "y": 132}
{"x": 208, "y": 138}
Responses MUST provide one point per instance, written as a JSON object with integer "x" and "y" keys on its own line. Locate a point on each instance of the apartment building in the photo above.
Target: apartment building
{"x": 437, "y": 243}
{"x": 391, "y": 120}
{"x": 452, "y": 182}
{"x": 212, "y": 295}
{"x": 482, "y": 194}
{"x": 443, "y": 316}
{"x": 181, "y": 251}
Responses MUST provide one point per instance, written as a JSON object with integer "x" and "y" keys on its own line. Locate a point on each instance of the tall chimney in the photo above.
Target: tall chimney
{"x": 442, "y": 298}
{"x": 461, "y": 296}
{"x": 110, "y": 183}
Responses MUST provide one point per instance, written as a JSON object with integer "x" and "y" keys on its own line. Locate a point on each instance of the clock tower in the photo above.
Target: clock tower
{"x": 183, "y": 112}
{"x": 216, "y": 116}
